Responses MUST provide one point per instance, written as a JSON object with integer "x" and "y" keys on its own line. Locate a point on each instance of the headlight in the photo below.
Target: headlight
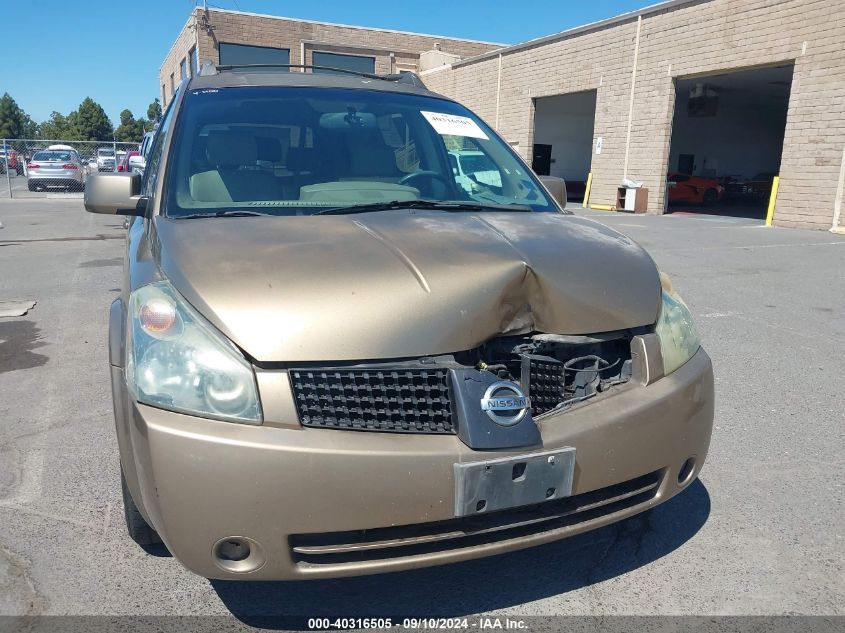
{"x": 177, "y": 361}
{"x": 678, "y": 337}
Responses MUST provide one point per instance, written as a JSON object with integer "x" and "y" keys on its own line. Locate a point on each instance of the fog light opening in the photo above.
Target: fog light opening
{"x": 233, "y": 550}
{"x": 685, "y": 473}
{"x": 238, "y": 554}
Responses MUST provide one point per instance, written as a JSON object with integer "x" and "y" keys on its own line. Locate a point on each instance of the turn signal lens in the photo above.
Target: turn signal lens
{"x": 157, "y": 317}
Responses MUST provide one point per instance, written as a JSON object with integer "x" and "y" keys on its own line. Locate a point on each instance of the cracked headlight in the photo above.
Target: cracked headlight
{"x": 675, "y": 328}
{"x": 177, "y": 361}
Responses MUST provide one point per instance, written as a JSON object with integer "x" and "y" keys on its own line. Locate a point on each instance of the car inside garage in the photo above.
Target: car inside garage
{"x": 727, "y": 141}
{"x": 563, "y": 139}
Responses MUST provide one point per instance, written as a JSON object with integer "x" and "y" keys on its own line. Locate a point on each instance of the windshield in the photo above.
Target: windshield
{"x": 105, "y": 152}
{"x": 295, "y": 151}
{"x": 54, "y": 156}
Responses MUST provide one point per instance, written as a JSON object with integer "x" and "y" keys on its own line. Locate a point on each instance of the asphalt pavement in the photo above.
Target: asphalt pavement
{"x": 759, "y": 533}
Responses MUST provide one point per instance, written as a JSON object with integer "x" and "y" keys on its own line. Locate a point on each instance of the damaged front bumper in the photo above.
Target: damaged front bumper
{"x": 312, "y": 502}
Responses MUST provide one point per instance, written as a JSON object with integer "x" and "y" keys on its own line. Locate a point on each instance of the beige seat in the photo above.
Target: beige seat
{"x": 235, "y": 176}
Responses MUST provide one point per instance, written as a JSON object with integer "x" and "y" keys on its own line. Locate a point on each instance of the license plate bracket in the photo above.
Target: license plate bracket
{"x": 510, "y": 482}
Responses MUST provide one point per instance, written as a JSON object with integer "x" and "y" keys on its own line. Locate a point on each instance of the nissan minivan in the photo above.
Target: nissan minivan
{"x": 335, "y": 355}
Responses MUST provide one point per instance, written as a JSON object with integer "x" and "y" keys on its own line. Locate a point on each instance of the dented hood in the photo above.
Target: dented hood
{"x": 403, "y": 284}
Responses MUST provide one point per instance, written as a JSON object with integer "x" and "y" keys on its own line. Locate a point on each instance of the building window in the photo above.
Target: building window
{"x": 172, "y": 84}
{"x": 237, "y": 54}
{"x": 194, "y": 61}
{"x": 357, "y": 63}
{"x": 163, "y": 96}
{"x": 183, "y": 70}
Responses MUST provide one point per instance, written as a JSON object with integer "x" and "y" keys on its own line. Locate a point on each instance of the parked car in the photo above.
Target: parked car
{"x": 106, "y": 159}
{"x": 473, "y": 168}
{"x": 355, "y": 365}
{"x": 9, "y": 160}
{"x": 760, "y": 186}
{"x": 693, "y": 189}
{"x": 124, "y": 163}
{"x": 50, "y": 169}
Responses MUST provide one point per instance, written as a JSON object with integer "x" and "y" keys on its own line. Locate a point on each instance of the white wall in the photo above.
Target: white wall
{"x": 566, "y": 123}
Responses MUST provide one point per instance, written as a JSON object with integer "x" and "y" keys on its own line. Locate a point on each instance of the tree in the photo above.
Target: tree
{"x": 30, "y": 129}
{"x": 130, "y": 130}
{"x": 56, "y": 127}
{"x": 89, "y": 122}
{"x": 154, "y": 111}
{"x": 12, "y": 119}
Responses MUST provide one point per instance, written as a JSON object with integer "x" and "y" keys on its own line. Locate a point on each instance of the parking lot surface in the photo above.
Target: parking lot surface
{"x": 759, "y": 533}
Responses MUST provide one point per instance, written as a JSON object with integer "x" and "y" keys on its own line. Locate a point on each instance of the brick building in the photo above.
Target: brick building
{"x": 750, "y": 85}
{"x": 728, "y": 91}
{"x": 235, "y": 37}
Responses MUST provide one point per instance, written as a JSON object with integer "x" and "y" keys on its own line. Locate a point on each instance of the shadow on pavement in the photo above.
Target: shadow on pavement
{"x": 477, "y": 586}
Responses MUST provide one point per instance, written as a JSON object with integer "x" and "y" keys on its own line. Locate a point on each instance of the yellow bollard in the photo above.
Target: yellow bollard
{"x": 587, "y": 189}
{"x": 772, "y": 198}
{"x": 602, "y": 207}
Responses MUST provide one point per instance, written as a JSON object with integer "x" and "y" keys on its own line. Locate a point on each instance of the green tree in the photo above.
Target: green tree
{"x": 89, "y": 122}
{"x": 154, "y": 111}
{"x": 30, "y": 129}
{"x": 130, "y": 130}
{"x": 11, "y": 118}
{"x": 56, "y": 127}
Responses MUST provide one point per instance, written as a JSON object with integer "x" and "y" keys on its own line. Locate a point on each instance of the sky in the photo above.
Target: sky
{"x": 111, "y": 51}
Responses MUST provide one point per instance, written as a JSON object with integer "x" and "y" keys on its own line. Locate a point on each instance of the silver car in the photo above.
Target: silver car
{"x": 50, "y": 169}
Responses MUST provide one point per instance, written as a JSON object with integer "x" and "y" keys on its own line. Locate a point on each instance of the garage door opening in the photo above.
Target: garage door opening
{"x": 727, "y": 141}
{"x": 563, "y": 139}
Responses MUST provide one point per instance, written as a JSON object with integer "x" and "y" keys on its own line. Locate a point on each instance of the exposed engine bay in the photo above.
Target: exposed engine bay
{"x": 557, "y": 371}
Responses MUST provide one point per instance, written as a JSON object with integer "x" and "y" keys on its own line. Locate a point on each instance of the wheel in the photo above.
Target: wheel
{"x": 138, "y": 528}
{"x": 711, "y": 196}
{"x": 31, "y": 186}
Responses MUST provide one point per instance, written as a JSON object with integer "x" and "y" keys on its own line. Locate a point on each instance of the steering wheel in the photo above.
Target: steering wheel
{"x": 423, "y": 173}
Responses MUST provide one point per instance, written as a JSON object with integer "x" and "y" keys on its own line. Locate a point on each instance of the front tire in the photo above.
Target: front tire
{"x": 139, "y": 530}
{"x": 711, "y": 196}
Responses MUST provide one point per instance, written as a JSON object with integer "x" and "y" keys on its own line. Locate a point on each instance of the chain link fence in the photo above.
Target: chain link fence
{"x": 36, "y": 168}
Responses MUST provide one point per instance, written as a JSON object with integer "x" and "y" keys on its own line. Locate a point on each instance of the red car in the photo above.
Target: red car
{"x": 124, "y": 162}
{"x": 693, "y": 189}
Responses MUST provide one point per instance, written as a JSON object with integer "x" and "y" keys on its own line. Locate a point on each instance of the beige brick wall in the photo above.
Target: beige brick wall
{"x": 185, "y": 41}
{"x": 698, "y": 37}
{"x": 389, "y": 48}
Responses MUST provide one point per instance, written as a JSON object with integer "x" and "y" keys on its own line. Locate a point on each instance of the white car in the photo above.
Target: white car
{"x": 472, "y": 167}
{"x": 106, "y": 159}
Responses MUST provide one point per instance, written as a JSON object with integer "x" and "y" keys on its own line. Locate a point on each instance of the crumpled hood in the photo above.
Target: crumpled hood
{"x": 404, "y": 284}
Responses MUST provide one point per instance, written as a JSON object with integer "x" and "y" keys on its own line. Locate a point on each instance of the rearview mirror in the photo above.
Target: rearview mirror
{"x": 557, "y": 187}
{"x": 115, "y": 193}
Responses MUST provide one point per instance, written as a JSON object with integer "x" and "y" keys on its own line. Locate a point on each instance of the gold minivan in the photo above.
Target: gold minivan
{"x": 334, "y": 354}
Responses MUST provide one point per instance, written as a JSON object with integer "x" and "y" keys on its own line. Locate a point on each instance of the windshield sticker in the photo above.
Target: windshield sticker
{"x": 455, "y": 125}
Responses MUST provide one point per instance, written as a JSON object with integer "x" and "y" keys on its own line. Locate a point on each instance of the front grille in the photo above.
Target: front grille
{"x": 544, "y": 377}
{"x": 338, "y": 548}
{"x": 392, "y": 400}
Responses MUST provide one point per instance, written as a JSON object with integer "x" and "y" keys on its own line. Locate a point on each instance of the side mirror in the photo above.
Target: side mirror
{"x": 137, "y": 164}
{"x": 556, "y": 187}
{"x": 114, "y": 193}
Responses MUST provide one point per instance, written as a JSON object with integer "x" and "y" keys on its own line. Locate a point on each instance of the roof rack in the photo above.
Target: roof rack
{"x": 403, "y": 77}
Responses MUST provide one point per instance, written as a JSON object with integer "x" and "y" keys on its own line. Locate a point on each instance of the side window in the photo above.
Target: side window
{"x": 156, "y": 151}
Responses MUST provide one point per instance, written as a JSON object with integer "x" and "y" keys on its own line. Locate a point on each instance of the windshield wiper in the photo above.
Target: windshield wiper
{"x": 420, "y": 204}
{"x": 221, "y": 214}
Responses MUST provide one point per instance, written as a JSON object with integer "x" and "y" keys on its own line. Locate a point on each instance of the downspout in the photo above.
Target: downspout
{"x": 631, "y": 101}
{"x": 837, "y": 202}
{"x": 498, "y": 91}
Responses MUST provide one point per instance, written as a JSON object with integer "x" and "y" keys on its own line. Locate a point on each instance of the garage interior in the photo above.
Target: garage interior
{"x": 563, "y": 139}
{"x": 727, "y": 141}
